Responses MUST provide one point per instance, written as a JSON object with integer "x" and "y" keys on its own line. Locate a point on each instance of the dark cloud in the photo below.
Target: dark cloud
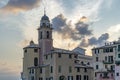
{"x": 94, "y": 40}
{"x": 62, "y": 27}
{"x": 59, "y": 22}
{"x": 83, "y": 28}
{"x": 81, "y": 31}
{"x": 21, "y": 5}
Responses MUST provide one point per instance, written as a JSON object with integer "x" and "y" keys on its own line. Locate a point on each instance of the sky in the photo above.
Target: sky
{"x": 76, "y": 23}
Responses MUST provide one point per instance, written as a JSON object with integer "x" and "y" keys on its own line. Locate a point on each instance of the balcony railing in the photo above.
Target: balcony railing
{"x": 108, "y": 62}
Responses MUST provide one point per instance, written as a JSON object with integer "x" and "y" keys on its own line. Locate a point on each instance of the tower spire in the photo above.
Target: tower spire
{"x": 44, "y": 10}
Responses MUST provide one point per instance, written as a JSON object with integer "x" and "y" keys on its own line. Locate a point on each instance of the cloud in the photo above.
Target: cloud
{"x": 75, "y": 31}
{"x": 61, "y": 26}
{"x": 94, "y": 41}
{"x": 114, "y": 31}
{"x": 83, "y": 28}
{"x": 20, "y": 5}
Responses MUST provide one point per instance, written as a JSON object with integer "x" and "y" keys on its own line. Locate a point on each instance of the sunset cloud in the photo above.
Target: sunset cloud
{"x": 9, "y": 71}
{"x": 20, "y": 5}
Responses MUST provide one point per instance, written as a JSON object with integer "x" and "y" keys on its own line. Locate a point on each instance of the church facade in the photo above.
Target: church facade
{"x": 42, "y": 61}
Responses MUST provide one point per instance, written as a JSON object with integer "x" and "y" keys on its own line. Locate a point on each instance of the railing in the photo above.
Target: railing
{"x": 108, "y": 62}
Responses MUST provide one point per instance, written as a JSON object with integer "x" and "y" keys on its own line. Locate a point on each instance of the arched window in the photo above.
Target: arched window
{"x": 47, "y": 34}
{"x": 62, "y": 78}
{"x": 35, "y": 61}
{"x": 40, "y": 35}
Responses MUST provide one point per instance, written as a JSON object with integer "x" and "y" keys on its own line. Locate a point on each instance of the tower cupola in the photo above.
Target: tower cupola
{"x": 45, "y": 22}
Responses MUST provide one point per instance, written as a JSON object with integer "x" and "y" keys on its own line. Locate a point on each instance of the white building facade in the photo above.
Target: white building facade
{"x": 104, "y": 59}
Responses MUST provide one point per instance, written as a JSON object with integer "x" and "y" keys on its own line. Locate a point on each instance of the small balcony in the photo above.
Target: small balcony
{"x": 108, "y": 62}
{"x": 110, "y": 70}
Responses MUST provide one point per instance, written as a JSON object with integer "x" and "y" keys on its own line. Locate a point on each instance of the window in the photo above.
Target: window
{"x": 35, "y": 61}
{"x": 32, "y": 71}
{"x": 84, "y": 77}
{"x": 78, "y": 69}
{"x": 70, "y": 69}
{"x": 40, "y": 70}
{"x": 25, "y": 51}
{"x": 35, "y": 50}
{"x": 88, "y": 63}
{"x": 107, "y": 50}
{"x": 112, "y": 75}
{"x": 100, "y": 75}
{"x": 51, "y": 55}
{"x": 59, "y": 69}
{"x": 40, "y": 35}
{"x": 51, "y": 69}
{"x": 95, "y": 51}
{"x": 105, "y": 58}
{"x": 59, "y": 55}
{"x": 118, "y": 55}
{"x": 70, "y": 56}
{"x": 98, "y": 50}
{"x": 117, "y": 74}
{"x": 111, "y": 58}
{"x": 112, "y": 67}
{"x": 87, "y": 78}
{"x": 46, "y": 56}
{"x": 106, "y": 66}
{"x": 95, "y": 74}
{"x": 32, "y": 78}
{"x": 40, "y": 78}
{"x": 70, "y": 77}
{"x": 118, "y": 47}
{"x": 62, "y": 78}
{"x": 97, "y": 67}
{"x": 78, "y": 77}
{"x": 47, "y": 34}
{"x": 75, "y": 56}
{"x": 105, "y": 74}
{"x": 96, "y": 58}
{"x": 51, "y": 78}
{"x": 82, "y": 62}
{"x": 111, "y": 49}
{"x": 85, "y": 69}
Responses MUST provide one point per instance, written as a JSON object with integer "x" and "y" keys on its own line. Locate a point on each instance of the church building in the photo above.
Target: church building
{"x": 42, "y": 61}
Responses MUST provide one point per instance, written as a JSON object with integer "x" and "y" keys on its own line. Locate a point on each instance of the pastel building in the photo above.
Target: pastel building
{"x": 42, "y": 61}
{"x": 104, "y": 61}
{"x": 117, "y": 61}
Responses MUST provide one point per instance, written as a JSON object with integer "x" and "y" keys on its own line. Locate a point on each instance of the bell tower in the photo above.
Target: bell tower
{"x": 44, "y": 37}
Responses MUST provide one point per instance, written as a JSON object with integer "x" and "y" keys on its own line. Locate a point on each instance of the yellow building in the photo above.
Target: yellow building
{"x": 44, "y": 62}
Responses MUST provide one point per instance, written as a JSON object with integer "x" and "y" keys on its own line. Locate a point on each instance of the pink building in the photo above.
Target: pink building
{"x": 105, "y": 75}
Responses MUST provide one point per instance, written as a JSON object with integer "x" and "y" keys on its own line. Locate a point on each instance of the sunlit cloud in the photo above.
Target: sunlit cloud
{"x": 20, "y": 5}
{"x": 114, "y": 32}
